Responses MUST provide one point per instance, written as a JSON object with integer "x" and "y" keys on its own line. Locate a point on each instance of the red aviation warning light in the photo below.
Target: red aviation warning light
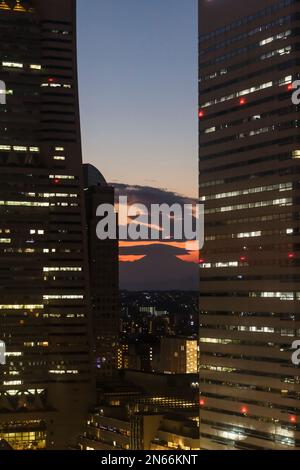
{"x": 243, "y": 101}
{"x": 201, "y": 113}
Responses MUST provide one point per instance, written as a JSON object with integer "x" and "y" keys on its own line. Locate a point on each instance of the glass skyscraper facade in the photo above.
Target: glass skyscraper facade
{"x": 45, "y": 386}
{"x": 249, "y": 182}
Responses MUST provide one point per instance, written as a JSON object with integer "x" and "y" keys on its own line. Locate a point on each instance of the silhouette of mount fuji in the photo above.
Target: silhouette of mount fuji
{"x": 159, "y": 270}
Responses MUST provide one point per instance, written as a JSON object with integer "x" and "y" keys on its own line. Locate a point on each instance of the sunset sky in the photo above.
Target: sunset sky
{"x": 138, "y": 90}
{"x": 138, "y": 100}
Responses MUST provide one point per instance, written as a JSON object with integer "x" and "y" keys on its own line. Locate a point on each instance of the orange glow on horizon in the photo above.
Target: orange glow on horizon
{"x": 191, "y": 256}
{"x": 182, "y": 245}
{"x": 130, "y": 258}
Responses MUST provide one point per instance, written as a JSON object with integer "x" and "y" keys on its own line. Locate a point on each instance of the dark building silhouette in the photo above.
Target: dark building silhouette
{"x": 45, "y": 386}
{"x": 249, "y": 180}
{"x": 104, "y": 276}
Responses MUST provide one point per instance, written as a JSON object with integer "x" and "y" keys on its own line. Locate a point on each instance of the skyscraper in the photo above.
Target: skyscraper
{"x": 249, "y": 181}
{"x": 44, "y": 308}
{"x": 104, "y": 276}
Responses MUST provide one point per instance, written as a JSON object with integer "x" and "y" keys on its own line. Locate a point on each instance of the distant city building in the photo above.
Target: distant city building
{"x": 138, "y": 353}
{"x": 160, "y": 326}
{"x": 123, "y": 355}
{"x": 104, "y": 276}
{"x": 153, "y": 311}
{"x": 177, "y": 356}
{"x": 147, "y": 310}
{"x": 159, "y": 314}
{"x": 45, "y": 386}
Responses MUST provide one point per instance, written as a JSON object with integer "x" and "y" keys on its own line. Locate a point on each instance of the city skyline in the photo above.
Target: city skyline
{"x": 110, "y": 340}
{"x": 84, "y": 365}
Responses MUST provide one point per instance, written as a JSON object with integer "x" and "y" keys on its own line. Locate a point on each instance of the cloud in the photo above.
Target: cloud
{"x": 148, "y": 196}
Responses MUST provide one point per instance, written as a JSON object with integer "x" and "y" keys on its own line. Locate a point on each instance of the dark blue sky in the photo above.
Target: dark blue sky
{"x": 138, "y": 90}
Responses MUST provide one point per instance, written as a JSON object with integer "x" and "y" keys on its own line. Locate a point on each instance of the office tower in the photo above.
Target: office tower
{"x": 104, "y": 276}
{"x": 177, "y": 356}
{"x": 45, "y": 384}
{"x": 249, "y": 181}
